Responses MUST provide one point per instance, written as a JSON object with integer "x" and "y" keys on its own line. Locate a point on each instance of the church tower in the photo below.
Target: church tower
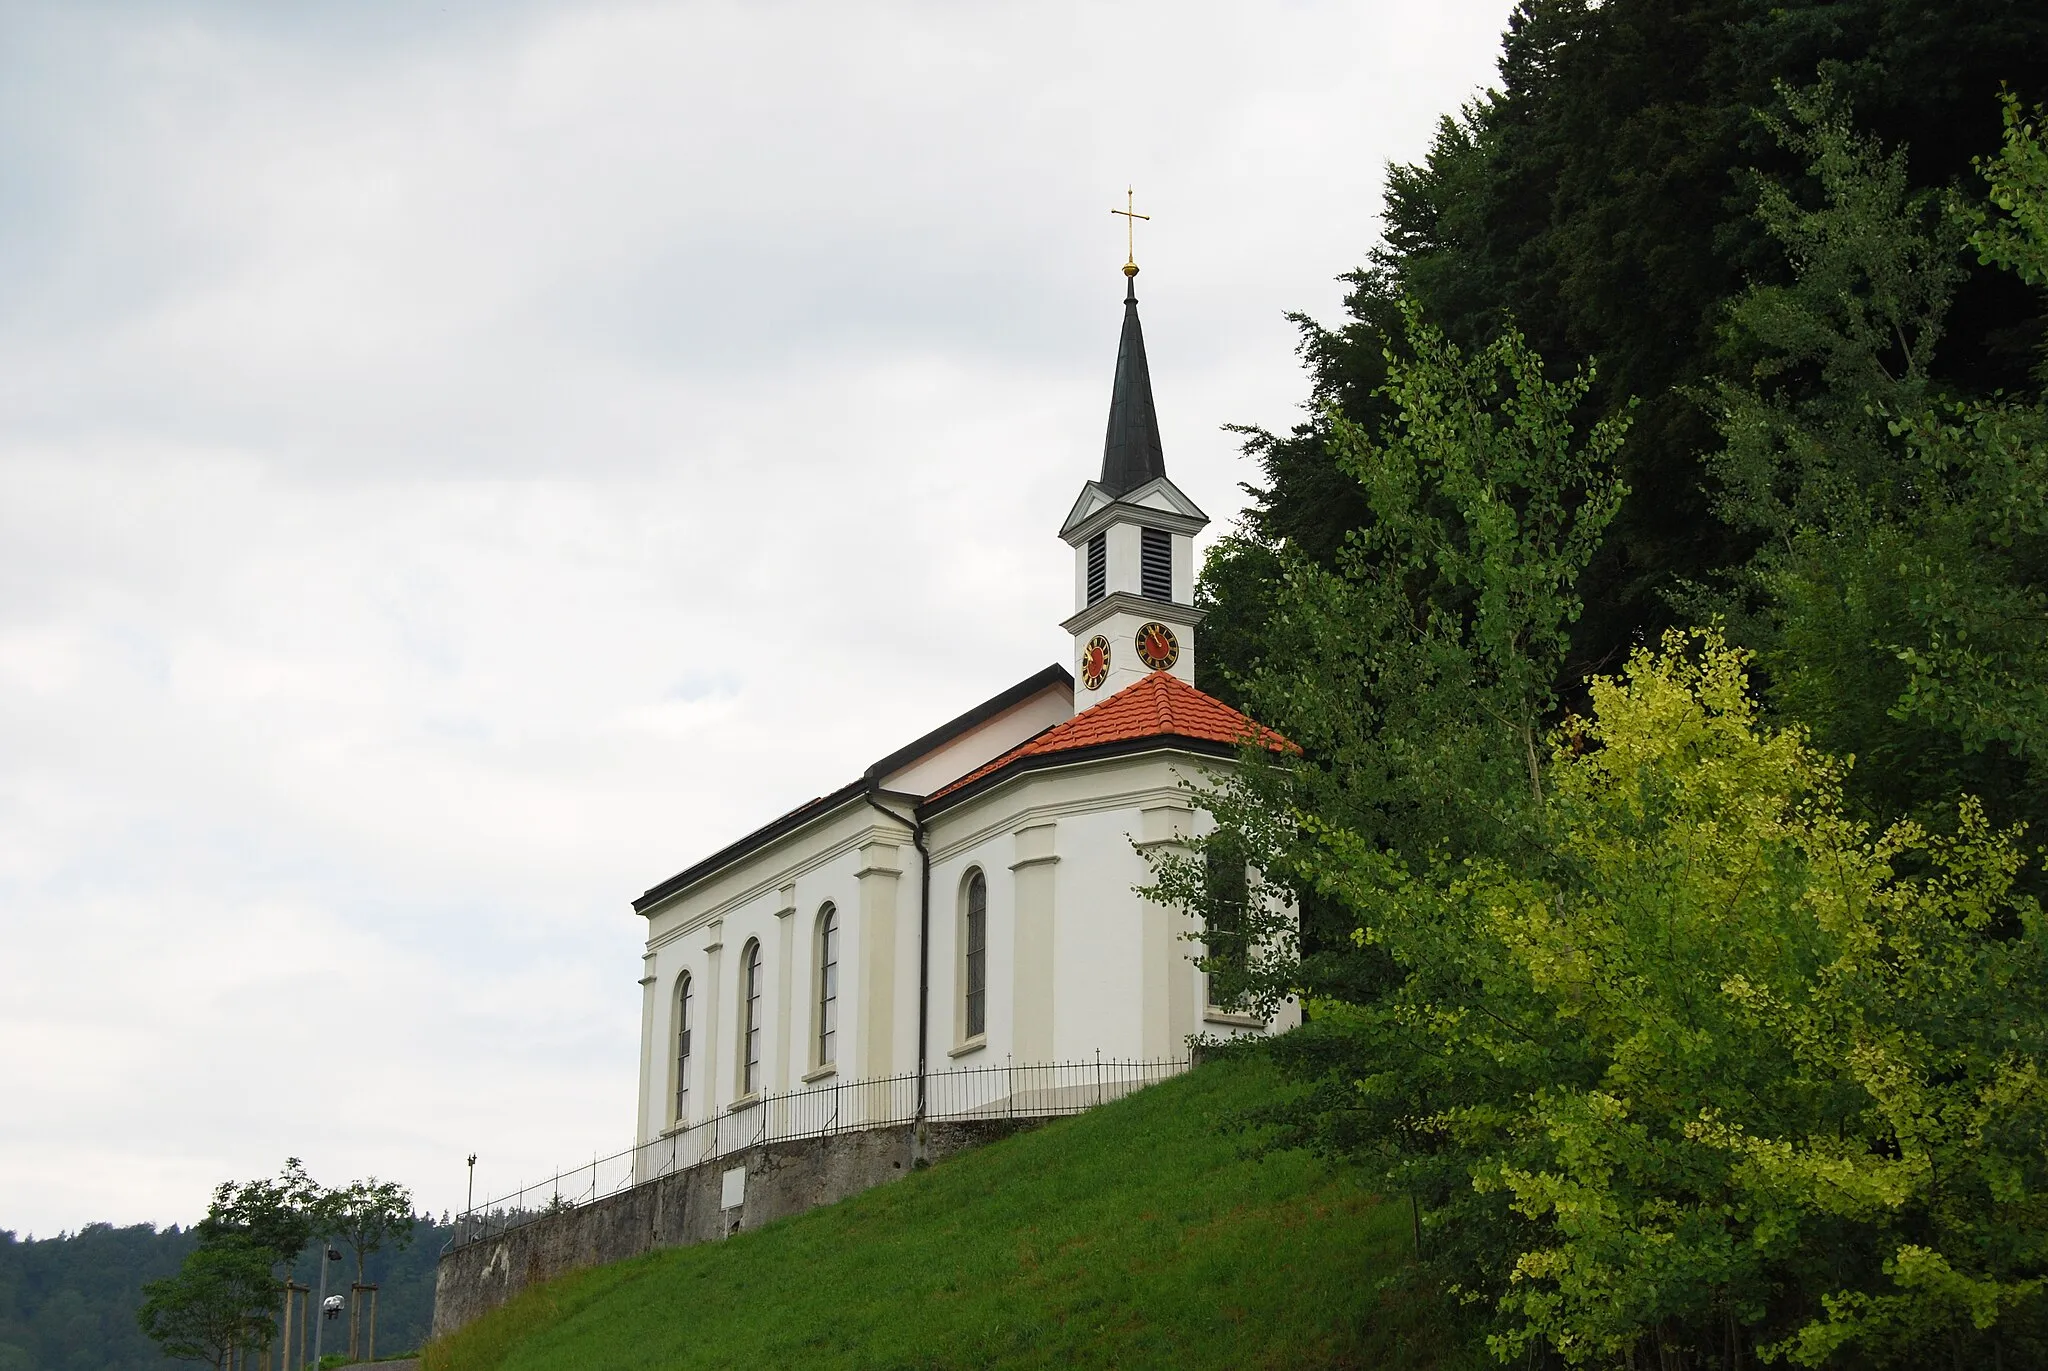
{"x": 1133, "y": 535}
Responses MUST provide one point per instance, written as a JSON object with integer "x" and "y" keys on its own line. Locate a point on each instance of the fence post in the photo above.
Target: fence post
{"x": 1098, "y": 1075}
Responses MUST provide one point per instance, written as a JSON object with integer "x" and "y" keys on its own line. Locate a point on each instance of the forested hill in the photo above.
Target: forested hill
{"x": 1604, "y": 198}
{"x": 68, "y": 1303}
{"x": 1666, "y": 830}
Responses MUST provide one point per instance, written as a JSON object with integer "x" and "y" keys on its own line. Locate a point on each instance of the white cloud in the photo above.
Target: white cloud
{"x": 457, "y": 469}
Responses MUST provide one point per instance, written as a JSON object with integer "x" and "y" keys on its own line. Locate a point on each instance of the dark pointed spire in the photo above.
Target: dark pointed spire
{"x": 1131, "y": 454}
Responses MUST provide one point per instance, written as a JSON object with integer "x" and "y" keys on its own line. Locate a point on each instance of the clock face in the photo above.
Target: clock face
{"x": 1157, "y": 647}
{"x": 1095, "y": 661}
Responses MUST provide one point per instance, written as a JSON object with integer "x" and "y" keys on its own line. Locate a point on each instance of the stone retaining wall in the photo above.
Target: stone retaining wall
{"x": 686, "y": 1207}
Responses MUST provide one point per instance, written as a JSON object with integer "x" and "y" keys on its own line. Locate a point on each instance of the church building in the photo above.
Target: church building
{"x": 970, "y": 900}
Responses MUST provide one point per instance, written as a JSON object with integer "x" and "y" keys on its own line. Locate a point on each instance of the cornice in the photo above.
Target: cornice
{"x": 1140, "y": 606}
{"x": 1124, "y": 512}
{"x": 777, "y": 877}
{"x": 1003, "y": 820}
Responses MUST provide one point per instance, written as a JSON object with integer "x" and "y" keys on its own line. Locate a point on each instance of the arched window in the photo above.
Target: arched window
{"x": 683, "y": 1048}
{"x": 750, "y": 1030}
{"x": 976, "y": 943}
{"x": 828, "y": 985}
{"x": 1229, "y": 890}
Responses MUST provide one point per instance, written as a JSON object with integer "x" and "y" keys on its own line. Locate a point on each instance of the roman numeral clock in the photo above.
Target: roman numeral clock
{"x": 1095, "y": 662}
{"x": 1158, "y": 649}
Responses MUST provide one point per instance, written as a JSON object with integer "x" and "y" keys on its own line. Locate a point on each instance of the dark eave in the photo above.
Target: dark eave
{"x": 869, "y": 784}
{"x": 759, "y": 838}
{"x": 972, "y": 719}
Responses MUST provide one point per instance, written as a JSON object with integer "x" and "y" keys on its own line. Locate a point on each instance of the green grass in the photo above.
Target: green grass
{"x": 1136, "y": 1235}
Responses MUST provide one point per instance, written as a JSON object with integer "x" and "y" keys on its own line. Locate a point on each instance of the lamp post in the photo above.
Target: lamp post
{"x": 327, "y": 1254}
{"x": 469, "y": 1205}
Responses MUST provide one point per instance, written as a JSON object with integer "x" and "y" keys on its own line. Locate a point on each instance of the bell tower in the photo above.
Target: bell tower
{"x": 1133, "y": 535}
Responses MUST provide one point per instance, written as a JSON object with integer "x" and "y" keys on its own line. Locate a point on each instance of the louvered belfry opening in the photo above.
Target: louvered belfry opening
{"x": 1155, "y": 564}
{"x": 1098, "y": 567}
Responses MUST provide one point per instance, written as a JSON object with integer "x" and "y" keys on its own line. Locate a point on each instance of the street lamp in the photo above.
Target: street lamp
{"x": 326, "y": 1313}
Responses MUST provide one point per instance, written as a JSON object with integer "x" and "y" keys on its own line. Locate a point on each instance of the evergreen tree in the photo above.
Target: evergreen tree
{"x": 1691, "y": 1042}
{"x": 1898, "y": 600}
{"x": 1603, "y": 197}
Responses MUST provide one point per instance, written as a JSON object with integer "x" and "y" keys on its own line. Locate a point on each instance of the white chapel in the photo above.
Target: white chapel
{"x": 970, "y": 900}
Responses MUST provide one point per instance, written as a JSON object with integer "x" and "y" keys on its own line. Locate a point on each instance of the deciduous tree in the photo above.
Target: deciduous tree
{"x": 221, "y": 1300}
{"x": 367, "y": 1215}
{"x": 277, "y": 1216}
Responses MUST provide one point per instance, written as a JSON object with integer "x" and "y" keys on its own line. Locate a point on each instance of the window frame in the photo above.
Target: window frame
{"x": 973, "y": 957}
{"x": 825, "y": 992}
{"x": 1231, "y": 885}
{"x": 751, "y": 995}
{"x": 684, "y": 1041}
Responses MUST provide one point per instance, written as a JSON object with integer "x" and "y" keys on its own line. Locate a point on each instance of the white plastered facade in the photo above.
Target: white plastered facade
{"x": 1077, "y": 961}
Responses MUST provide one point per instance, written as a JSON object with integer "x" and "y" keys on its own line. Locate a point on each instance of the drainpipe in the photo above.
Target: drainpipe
{"x": 924, "y": 934}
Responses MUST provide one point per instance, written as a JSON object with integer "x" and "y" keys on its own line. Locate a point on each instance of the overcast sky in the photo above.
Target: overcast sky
{"x": 461, "y": 464}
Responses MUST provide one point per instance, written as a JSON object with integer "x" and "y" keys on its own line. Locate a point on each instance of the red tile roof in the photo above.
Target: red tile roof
{"x": 1160, "y": 706}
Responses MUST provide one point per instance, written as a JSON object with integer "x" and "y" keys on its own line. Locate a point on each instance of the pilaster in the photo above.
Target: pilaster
{"x": 1034, "y": 929}
{"x": 710, "y": 1064}
{"x": 785, "y": 941}
{"x": 1167, "y": 980}
{"x": 880, "y": 870}
{"x": 650, "y": 1065}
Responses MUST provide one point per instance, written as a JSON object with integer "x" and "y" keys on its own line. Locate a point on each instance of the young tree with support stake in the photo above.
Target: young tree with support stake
{"x": 367, "y": 1215}
{"x": 224, "y": 1298}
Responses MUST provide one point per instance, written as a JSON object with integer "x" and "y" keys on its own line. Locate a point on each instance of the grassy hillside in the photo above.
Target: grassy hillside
{"x": 1136, "y": 1235}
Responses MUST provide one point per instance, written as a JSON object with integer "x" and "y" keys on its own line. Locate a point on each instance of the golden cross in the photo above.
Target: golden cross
{"x": 1131, "y": 217}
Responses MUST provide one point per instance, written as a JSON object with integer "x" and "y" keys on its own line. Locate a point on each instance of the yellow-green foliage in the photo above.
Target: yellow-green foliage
{"x": 1736, "y": 1068}
{"x": 1681, "y": 1062}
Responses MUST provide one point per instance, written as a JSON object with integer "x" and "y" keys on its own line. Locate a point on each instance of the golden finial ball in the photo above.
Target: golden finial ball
{"x": 1130, "y": 268}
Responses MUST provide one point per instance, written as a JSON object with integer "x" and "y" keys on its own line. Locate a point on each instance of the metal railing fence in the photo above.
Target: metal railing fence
{"x": 1015, "y": 1091}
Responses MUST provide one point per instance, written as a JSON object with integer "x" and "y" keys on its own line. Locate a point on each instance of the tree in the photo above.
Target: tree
{"x": 2012, "y": 231}
{"x": 1725, "y": 1072}
{"x": 1692, "y": 1041}
{"x": 277, "y": 1216}
{"x": 1417, "y": 674}
{"x": 367, "y": 1215}
{"x": 1826, "y": 1045}
{"x": 1898, "y": 600}
{"x": 1602, "y": 197}
{"x": 221, "y": 1301}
